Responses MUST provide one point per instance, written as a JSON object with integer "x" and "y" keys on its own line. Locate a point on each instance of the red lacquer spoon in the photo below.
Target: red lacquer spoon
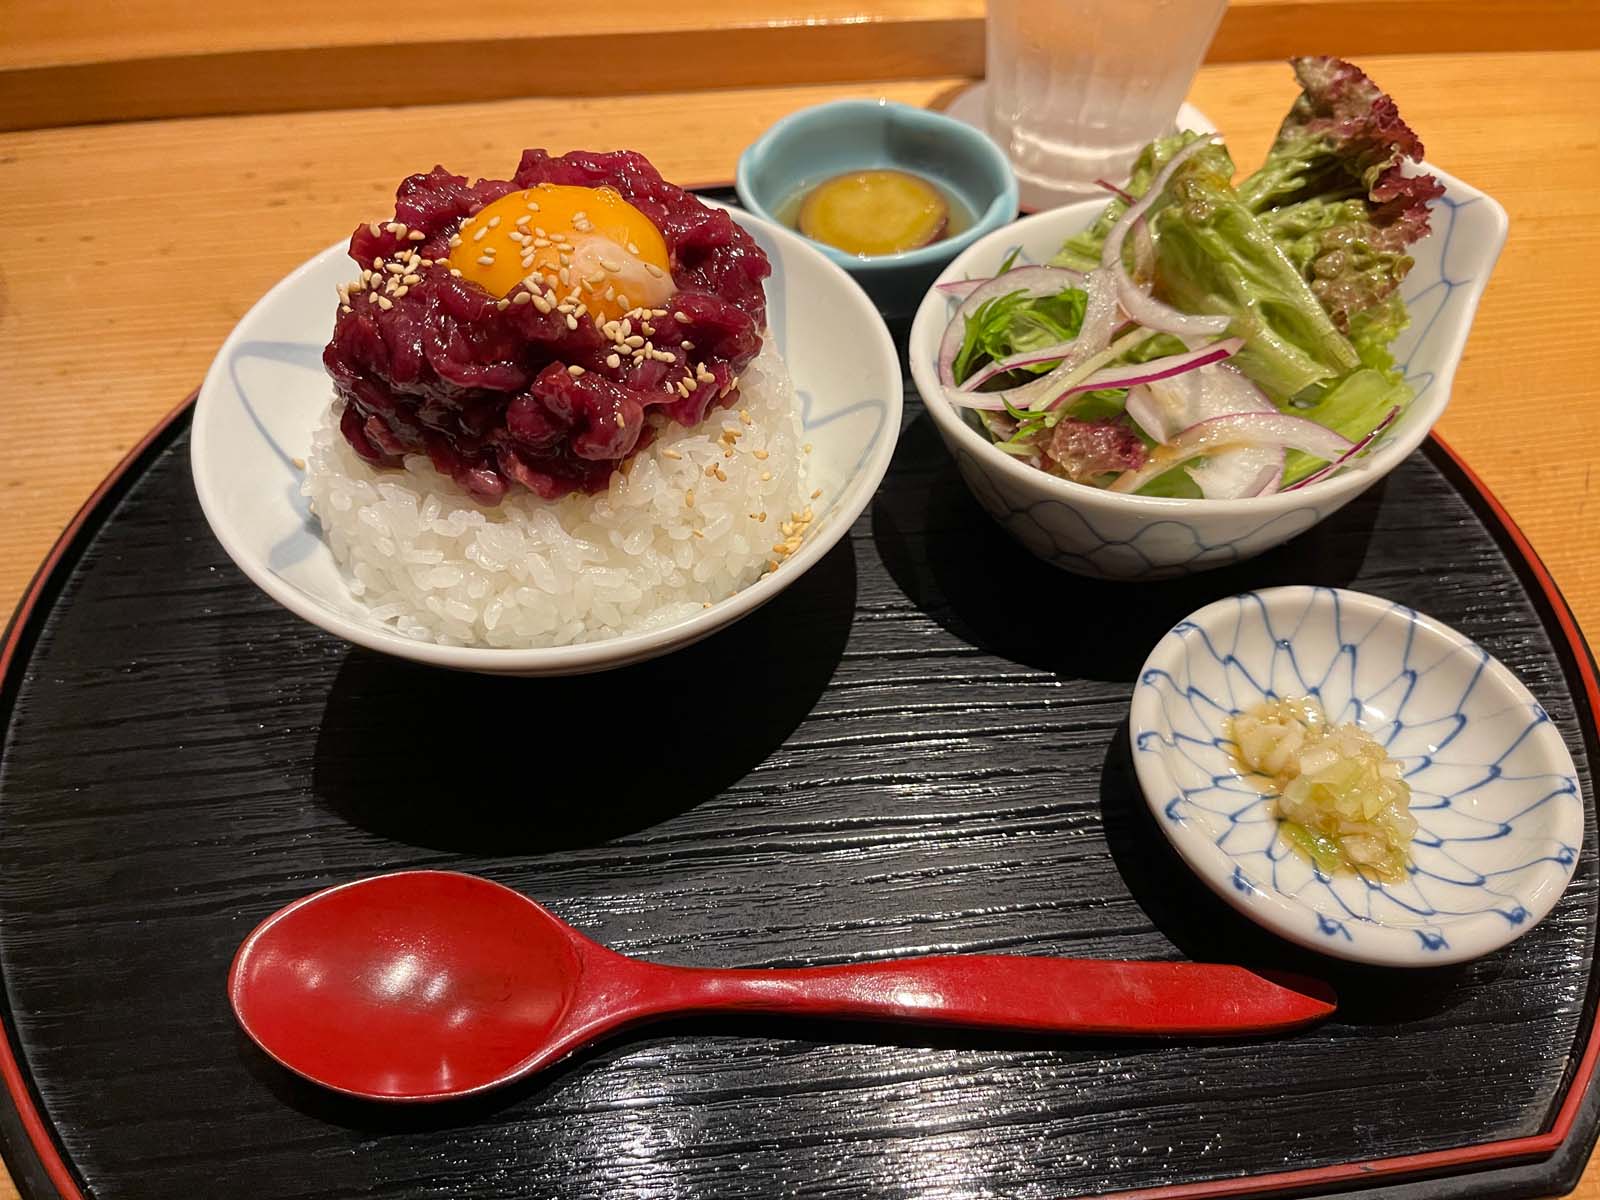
{"x": 429, "y": 985}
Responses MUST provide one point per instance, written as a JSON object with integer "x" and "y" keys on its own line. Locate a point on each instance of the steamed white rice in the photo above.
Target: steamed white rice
{"x": 425, "y": 558}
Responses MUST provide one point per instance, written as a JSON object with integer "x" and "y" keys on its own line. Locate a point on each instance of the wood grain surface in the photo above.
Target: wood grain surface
{"x": 930, "y": 768}
{"x": 70, "y": 61}
{"x": 144, "y": 242}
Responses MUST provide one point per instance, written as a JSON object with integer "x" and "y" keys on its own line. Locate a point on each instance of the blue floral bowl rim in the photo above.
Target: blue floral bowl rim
{"x": 1000, "y": 211}
{"x": 1472, "y": 936}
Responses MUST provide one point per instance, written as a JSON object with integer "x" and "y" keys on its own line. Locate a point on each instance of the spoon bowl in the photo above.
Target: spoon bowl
{"x": 419, "y": 985}
{"x": 432, "y": 985}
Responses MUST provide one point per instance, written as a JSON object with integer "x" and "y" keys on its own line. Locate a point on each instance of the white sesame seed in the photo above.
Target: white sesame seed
{"x": 345, "y": 308}
{"x": 416, "y": 235}
{"x": 533, "y": 206}
{"x": 410, "y": 279}
{"x": 572, "y": 321}
{"x": 486, "y": 260}
{"x": 632, "y": 249}
{"x": 613, "y": 361}
{"x": 523, "y": 220}
{"x": 542, "y": 304}
{"x": 522, "y": 298}
{"x": 455, "y": 240}
{"x": 385, "y": 303}
{"x": 622, "y": 300}
{"x": 482, "y": 232}
{"x": 455, "y": 272}
{"x": 575, "y": 370}
{"x": 680, "y": 318}
{"x": 538, "y": 231}
{"x": 610, "y": 264}
{"x": 494, "y": 222}
{"x": 401, "y": 290}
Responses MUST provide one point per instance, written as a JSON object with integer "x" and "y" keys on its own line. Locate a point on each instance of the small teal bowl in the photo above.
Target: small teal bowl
{"x": 817, "y": 143}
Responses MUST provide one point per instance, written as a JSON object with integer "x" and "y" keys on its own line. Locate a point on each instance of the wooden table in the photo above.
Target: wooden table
{"x": 133, "y": 247}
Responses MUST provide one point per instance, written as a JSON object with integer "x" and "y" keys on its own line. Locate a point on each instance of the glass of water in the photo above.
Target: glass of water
{"x": 1077, "y": 87}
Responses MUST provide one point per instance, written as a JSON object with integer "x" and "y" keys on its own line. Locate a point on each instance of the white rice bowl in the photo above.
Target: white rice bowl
{"x": 664, "y": 541}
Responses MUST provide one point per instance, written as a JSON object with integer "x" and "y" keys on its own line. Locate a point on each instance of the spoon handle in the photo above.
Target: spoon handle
{"x": 1045, "y": 995}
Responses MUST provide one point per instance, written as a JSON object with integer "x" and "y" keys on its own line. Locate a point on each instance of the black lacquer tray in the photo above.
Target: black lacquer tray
{"x": 920, "y": 746}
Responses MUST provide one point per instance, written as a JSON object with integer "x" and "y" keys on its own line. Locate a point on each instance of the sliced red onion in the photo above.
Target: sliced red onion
{"x": 1235, "y": 474}
{"x": 1321, "y": 474}
{"x": 1273, "y": 484}
{"x": 1138, "y": 303}
{"x": 1035, "y": 281}
{"x": 1246, "y": 429}
{"x": 1127, "y": 375}
{"x": 1147, "y": 413}
{"x": 960, "y": 288}
{"x": 1144, "y": 251}
{"x": 1119, "y": 193}
{"x": 1165, "y": 408}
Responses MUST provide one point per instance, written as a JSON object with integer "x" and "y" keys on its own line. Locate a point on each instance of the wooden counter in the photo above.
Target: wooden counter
{"x": 134, "y": 247}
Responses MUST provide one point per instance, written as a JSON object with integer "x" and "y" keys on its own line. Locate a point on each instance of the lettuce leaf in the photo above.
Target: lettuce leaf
{"x": 1353, "y": 407}
{"x": 1082, "y": 251}
{"x": 1334, "y": 189}
{"x": 1213, "y": 255}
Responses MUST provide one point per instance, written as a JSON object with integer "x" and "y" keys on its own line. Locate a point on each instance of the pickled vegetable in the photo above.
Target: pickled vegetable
{"x": 875, "y": 212}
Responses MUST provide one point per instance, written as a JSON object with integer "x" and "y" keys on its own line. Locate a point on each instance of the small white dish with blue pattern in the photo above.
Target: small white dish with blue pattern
{"x": 1494, "y": 790}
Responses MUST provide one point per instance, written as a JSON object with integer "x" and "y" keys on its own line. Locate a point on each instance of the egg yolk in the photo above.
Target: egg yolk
{"x": 588, "y": 244}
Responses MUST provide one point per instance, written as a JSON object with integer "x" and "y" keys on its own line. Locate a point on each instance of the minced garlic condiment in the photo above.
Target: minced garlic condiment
{"x": 1340, "y": 797}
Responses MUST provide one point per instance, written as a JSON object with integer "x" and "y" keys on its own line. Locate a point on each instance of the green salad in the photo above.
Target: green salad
{"x": 1207, "y": 336}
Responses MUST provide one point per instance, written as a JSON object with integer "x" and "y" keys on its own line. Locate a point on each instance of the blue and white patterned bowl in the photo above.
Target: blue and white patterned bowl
{"x": 1494, "y": 790}
{"x": 1109, "y": 535}
{"x": 267, "y": 390}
